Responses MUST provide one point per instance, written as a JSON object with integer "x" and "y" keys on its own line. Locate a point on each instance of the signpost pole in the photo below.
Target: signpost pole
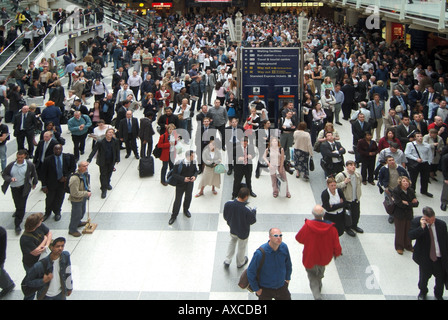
{"x": 303, "y": 24}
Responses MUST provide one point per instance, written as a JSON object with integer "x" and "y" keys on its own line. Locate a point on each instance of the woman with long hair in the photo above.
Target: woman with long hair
{"x": 404, "y": 201}
{"x": 274, "y": 157}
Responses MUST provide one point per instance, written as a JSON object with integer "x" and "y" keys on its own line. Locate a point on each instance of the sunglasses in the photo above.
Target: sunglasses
{"x": 277, "y": 235}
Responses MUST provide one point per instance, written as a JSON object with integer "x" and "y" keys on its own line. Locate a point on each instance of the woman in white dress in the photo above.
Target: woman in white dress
{"x": 211, "y": 157}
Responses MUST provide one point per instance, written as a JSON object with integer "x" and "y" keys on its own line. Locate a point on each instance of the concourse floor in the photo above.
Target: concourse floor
{"x": 134, "y": 253}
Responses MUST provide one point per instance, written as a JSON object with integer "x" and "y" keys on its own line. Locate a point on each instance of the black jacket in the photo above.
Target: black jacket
{"x": 423, "y": 242}
{"x": 49, "y": 177}
{"x": 100, "y": 147}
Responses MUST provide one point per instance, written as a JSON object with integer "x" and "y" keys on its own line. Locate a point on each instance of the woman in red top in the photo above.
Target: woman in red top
{"x": 387, "y": 139}
{"x": 167, "y": 143}
{"x": 163, "y": 97}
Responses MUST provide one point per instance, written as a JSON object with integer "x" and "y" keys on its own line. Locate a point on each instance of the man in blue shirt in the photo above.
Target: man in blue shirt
{"x": 275, "y": 274}
{"x": 78, "y": 126}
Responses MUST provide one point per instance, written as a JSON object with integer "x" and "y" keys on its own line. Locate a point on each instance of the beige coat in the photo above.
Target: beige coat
{"x": 347, "y": 189}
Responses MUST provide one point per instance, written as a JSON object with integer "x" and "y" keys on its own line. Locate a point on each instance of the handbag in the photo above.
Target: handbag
{"x": 220, "y": 168}
{"x": 157, "y": 152}
{"x": 413, "y": 164}
{"x": 244, "y": 280}
{"x": 389, "y": 205}
{"x": 311, "y": 164}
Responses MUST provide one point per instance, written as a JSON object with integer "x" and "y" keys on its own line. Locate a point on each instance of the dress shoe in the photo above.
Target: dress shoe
{"x": 350, "y": 232}
{"x": 46, "y": 217}
{"x": 422, "y": 296}
{"x": 390, "y": 219}
{"x": 229, "y": 172}
{"x": 226, "y": 265}
{"x": 75, "y": 234}
{"x": 57, "y": 217}
{"x": 127, "y": 156}
{"x": 172, "y": 219}
{"x": 253, "y": 195}
{"x": 18, "y": 230}
{"x": 443, "y": 207}
{"x": 428, "y": 194}
{"x": 164, "y": 183}
{"x": 82, "y": 224}
{"x": 103, "y": 194}
{"x": 137, "y": 157}
{"x": 337, "y": 122}
{"x": 358, "y": 229}
{"x": 109, "y": 187}
{"x": 187, "y": 214}
{"x": 244, "y": 263}
{"x": 399, "y": 251}
{"x": 351, "y": 152}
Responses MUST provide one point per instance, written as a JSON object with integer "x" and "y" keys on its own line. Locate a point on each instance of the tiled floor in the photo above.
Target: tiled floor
{"x": 185, "y": 260}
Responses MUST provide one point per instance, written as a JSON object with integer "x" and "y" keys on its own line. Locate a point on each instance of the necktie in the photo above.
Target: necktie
{"x": 22, "y": 127}
{"x": 333, "y": 146}
{"x": 393, "y": 121}
{"x": 234, "y": 136}
{"x": 129, "y": 126}
{"x": 42, "y": 157}
{"x": 58, "y": 168}
{"x": 245, "y": 156}
{"x": 432, "y": 250}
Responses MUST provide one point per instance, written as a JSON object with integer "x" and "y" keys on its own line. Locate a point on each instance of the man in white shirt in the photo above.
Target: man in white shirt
{"x": 419, "y": 156}
{"x": 124, "y": 92}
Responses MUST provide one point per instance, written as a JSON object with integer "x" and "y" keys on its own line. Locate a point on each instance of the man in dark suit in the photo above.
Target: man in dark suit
{"x": 405, "y": 131}
{"x": 166, "y": 119}
{"x": 440, "y": 85}
{"x": 107, "y": 108}
{"x": 420, "y": 123}
{"x": 108, "y": 155}
{"x": 398, "y": 99}
{"x": 349, "y": 98}
{"x": 24, "y": 125}
{"x": 128, "y": 133}
{"x": 430, "y": 251}
{"x": 145, "y": 134}
{"x": 184, "y": 173}
{"x": 332, "y": 156}
{"x": 56, "y": 171}
{"x": 44, "y": 149}
{"x": 359, "y": 129}
{"x": 245, "y": 153}
{"x": 233, "y": 137}
{"x": 205, "y": 133}
{"x": 415, "y": 96}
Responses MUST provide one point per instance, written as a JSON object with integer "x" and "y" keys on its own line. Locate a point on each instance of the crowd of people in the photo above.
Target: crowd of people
{"x": 181, "y": 72}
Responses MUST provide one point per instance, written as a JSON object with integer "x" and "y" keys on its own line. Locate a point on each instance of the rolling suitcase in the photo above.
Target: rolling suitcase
{"x": 146, "y": 167}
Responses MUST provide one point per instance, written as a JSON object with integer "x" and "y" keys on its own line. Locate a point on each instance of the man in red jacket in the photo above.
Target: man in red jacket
{"x": 321, "y": 243}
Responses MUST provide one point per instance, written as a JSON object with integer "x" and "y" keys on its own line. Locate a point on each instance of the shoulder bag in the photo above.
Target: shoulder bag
{"x": 244, "y": 280}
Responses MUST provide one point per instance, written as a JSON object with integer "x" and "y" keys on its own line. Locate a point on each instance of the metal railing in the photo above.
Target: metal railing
{"x": 430, "y": 14}
{"x": 14, "y": 54}
{"x": 42, "y": 43}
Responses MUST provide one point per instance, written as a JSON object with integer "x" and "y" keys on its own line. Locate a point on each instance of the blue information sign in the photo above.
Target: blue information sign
{"x": 271, "y": 74}
{"x": 270, "y": 66}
